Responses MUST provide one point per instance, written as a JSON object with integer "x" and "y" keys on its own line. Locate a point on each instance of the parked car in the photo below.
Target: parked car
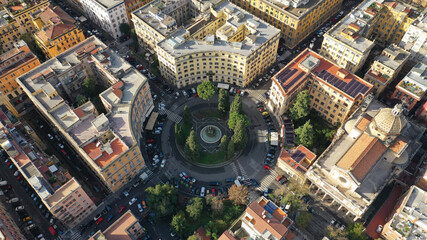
{"x": 163, "y": 164}
{"x": 379, "y": 228}
{"x": 140, "y": 209}
{"x": 214, "y": 183}
{"x": 99, "y": 220}
{"x": 144, "y": 204}
{"x": 110, "y": 217}
{"x": 19, "y": 208}
{"x": 132, "y": 201}
{"x": 121, "y": 209}
{"x": 202, "y": 192}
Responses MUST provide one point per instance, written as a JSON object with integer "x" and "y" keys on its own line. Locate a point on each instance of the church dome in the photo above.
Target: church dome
{"x": 390, "y": 122}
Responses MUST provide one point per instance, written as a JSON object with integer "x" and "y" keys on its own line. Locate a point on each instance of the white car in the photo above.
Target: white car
{"x": 125, "y": 193}
{"x": 163, "y": 163}
{"x": 140, "y": 209}
{"x": 50, "y": 136}
{"x": 132, "y": 201}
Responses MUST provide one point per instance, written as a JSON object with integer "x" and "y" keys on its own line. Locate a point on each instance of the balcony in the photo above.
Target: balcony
{"x": 411, "y": 87}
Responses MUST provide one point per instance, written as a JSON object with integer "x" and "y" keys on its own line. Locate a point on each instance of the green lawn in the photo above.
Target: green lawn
{"x": 208, "y": 113}
{"x": 211, "y": 158}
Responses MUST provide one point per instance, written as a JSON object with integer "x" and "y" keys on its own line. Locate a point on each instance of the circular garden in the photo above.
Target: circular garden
{"x": 214, "y": 134}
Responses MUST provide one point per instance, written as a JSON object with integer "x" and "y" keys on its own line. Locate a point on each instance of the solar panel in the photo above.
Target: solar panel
{"x": 350, "y": 85}
{"x": 298, "y": 156}
{"x": 272, "y": 205}
{"x": 279, "y": 76}
{"x": 293, "y": 81}
{"x": 268, "y": 209}
{"x": 357, "y": 89}
{"x": 301, "y": 169}
{"x": 352, "y": 88}
{"x": 364, "y": 89}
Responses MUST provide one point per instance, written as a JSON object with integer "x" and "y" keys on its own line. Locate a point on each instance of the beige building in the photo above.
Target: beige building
{"x": 108, "y": 143}
{"x": 127, "y": 227}
{"x": 385, "y": 68}
{"x": 295, "y": 18}
{"x": 372, "y": 147}
{"x": 226, "y": 44}
{"x": 350, "y": 41}
{"x": 262, "y": 220}
{"x": 335, "y": 92}
{"x": 59, "y": 192}
{"x": 296, "y": 162}
{"x": 407, "y": 221}
{"x": 9, "y": 229}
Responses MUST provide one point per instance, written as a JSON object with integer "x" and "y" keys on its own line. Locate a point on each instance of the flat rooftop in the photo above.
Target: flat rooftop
{"x": 119, "y": 229}
{"x": 416, "y": 80}
{"x": 109, "y": 3}
{"x": 3, "y": 20}
{"x": 362, "y": 12}
{"x": 176, "y": 45}
{"x": 153, "y": 16}
{"x": 393, "y": 57}
{"x": 311, "y": 63}
{"x": 298, "y": 12}
{"x": 82, "y": 123}
{"x": 62, "y": 192}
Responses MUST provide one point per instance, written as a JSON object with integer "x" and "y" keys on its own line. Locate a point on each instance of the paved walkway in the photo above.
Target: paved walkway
{"x": 384, "y": 212}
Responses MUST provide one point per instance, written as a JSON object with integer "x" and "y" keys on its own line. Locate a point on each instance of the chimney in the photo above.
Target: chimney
{"x": 268, "y": 220}
{"x": 263, "y": 212}
{"x": 263, "y": 216}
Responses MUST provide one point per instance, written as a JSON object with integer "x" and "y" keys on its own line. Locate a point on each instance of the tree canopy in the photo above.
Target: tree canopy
{"x": 334, "y": 233}
{"x": 305, "y": 135}
{"x": 89, "y": 86}
{"x": 301, "y": 106}
{"x": 230, "y": 149}
{"x": 236, "y": 105}
{"x": 240, "y": 136}
{"x": 192, "y": 148}
{"x": 238, "y": 194}
{"x": 206, "y": 90}
{"x": 162, "y": 198}
{"x": 187, "y": 117}
{"x": 356, "y": 231}
{"x": 179, "y": 223}
{"x": 224, "y": 143}
{"x": 217, "y": 205}
{"x": 223, "y": 101}
{"x": 195, "y": 207}
{"x": 125, "y": 29}
{"x": 236, "y": 117}
{"x": 303, "y": 219}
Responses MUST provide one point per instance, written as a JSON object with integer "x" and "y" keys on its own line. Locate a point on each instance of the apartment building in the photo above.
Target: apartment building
{"x": 13, "y": 64}
{"x": 372, "y": 147}
{"x": 226, "y": 44}
{"x": 108, "y": 143}
{"x": 394, "y": 19}
{"x": 15, "y": 20}
{"x": 108, "y": 14}
{"x": 296, "y": 162}
{"x": 407, "y": 220}
{"x": 295, "y": 18}
{"x": 262, "y": 220}
{"x": 127, "y": 227}
{"x": 9, "y": 229}
{"x": 335, "y": 93}
{"x": 349, "y": 42}
{"x": 415, "y": 39}
{"x": 58, "y": 192}
{"x": 132, "y": 5}
{"x": 412, "y": 88}
{"x": 57, "y": 31}
{"x": 385, "y": 68}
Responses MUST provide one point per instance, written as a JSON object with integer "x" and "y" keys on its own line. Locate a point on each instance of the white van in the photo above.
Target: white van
{"x": 237, "y": 183}
{"x": 3, "y": 183}
{"x": 202, "y": 192}
{"x": 231, "y": 90}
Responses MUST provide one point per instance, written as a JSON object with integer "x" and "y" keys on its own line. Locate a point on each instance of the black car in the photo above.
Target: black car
{"x": 197, "y": 191}
{"x": 214, "y": 183}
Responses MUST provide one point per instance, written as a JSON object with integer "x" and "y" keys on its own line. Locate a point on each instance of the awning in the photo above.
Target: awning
{"x": 53, "y": 168}
{"x": 52, "y": 231}
{"x": 152, "y": 121}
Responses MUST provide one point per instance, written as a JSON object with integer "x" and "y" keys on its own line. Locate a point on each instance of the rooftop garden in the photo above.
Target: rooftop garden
{"x": 412, "y": 88}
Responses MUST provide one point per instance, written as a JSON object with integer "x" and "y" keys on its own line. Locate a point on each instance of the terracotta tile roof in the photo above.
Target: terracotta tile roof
{"x": 117, "y": 92}
{"x": 362, "y": 167}
{"x": 290, "y": 235}
{"x": 118, "y": 84}
{"x": 364, "y": 122}
{"x": 269, "y": 223}
{"x": 227, "y": 236}
{"x": 354, "y": 26}
{"x": 102, "y": 158}
{"x": 399, "y": 144}
{"x": 357, "y": 151}
{"x": 56, "y": 30}
{"x": 79, "y": 112}
{"x": 378, "y": 76}
{"x": 55, "y": 15}
{"x": 308, "y": 154}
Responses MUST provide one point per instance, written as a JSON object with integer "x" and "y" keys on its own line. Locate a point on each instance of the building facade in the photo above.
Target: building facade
{"x": 295, "y": 18}
{"x": 335, "y": 93}
{"x": 127, "y": 227}
{"x": 415, "y": 39}
{"x": 263, "y": 220}
{"x": 15, "y": 21}
{"x": 412, "y": 88}
{"x": 108, "y": 14}
{"x": 225, "y": 45}
{"x": 109, "y": 143}
{"x": 13, "y": 64}
{"x": 296, "y": 162}
{"x": 385, "y": 68}
{"x": 58, "y": 192}
{"x": 407, "y": 221}
{"x": 57, "y": 31}
{"x": 8, "y": 227}
{"x": 132, "y": 5}
{"x": 372, "y": 147}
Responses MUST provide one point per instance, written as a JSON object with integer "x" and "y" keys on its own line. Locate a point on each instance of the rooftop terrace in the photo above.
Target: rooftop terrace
{"x": 416, "y": 80}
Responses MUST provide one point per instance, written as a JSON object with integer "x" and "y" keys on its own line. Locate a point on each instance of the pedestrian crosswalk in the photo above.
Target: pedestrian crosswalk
{"x": 267, "y": 180}
{"x": 242, "y": 170}
{"x": 257, "y": 95}
{"x": 171, "y": 115}
{"x": 71, "y": 235}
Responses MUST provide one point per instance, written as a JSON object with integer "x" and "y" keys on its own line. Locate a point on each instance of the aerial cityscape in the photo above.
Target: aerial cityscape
{"x": 213, "y": 119}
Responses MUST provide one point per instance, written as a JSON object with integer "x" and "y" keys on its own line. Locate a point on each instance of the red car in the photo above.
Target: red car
{"x": 150, "y": 140}
{"x": 63, "y": 151}
{"x": 140, "y": 67}
{"x": 99, "y": 220}
{"x": 8, "y": 163}
{"x": 19, "y": 177}
{"x": 267, "y": 167}
{"x": 213, "y": 192}
{"x": 196, "y": 95}
{"x": 121, "y": 209}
